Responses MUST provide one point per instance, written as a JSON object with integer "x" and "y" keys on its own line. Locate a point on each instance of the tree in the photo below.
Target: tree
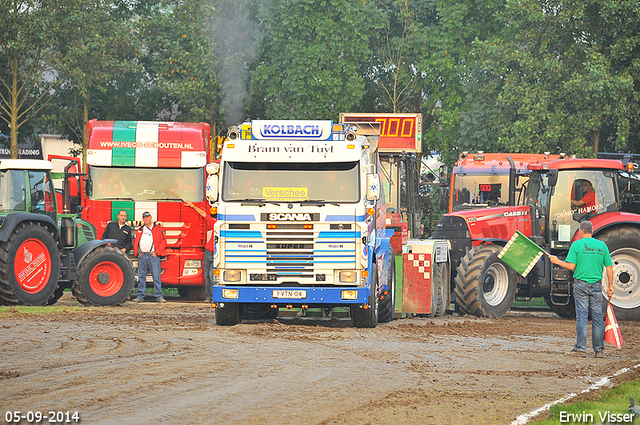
{"x": 394, "y": 83}
{"x": 28, "y": 76}
{"x": 451, "y": 30}
{"x": 560, "y": 76}
{"x": 97, "y": 54}
{"x": 181, "y": 64}
{"x": 311, "y": 58}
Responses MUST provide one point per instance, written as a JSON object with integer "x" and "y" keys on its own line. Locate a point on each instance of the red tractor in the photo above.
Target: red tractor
{"x": 485, "y": 286}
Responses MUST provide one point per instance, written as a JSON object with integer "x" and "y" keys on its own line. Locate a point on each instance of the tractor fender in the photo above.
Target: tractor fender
{"x": 12, "y": 220}
{"x": 488, "y": 241}
{"x": 610, "y": 219}
{"x": 83, "y": 250}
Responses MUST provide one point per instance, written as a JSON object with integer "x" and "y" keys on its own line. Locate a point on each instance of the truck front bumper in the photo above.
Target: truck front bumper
{"x": 294, "y": 295}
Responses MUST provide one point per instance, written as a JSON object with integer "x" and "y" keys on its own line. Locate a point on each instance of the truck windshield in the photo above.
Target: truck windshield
{"x": 291, "y": 182}
{"x": 473, "y": 191}
{"x": 147, "y": 184}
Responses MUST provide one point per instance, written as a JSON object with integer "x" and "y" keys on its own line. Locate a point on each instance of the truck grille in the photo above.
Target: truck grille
{"x": 290, "y": 253}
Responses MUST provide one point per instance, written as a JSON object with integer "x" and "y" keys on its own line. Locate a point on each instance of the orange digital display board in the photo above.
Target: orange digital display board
{"x": 398, "y": 132}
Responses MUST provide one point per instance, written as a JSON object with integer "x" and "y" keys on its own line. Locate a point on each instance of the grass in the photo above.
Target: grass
{"x": 23, "y": 309}
{"x": 614, "y": 401}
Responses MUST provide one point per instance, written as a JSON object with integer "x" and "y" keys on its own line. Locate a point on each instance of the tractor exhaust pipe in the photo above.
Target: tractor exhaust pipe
{"x": 512, "y": 181}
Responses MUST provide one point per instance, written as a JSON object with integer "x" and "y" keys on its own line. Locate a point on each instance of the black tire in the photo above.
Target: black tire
{"x": 442, "y": 279}
{"x": 229, "y": 315}
{"x": 435, "y": 291}
{"x": 485, "y": 285}
{"x": 196, "y": 293}
{"x": 105, "y": 277}
{"x": 388, "y": 303}
{"x": 57, "y": 294}
{"x": 624, "y": 246}
{"x": 29, "y": 243}
{"x": 259, "y": 312}
{"x": 368, "y": 317}
{"x": 565, "y": 311}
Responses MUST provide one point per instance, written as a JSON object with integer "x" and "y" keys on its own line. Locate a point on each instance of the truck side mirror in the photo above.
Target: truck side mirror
{"x": 212, "y": 188}
{"x": 552, "y": 175}
{"x": 373, "y": 187}
{"x": 88, "y": 187}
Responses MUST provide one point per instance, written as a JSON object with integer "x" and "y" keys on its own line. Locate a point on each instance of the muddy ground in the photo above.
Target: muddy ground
{"x": 170, "y": 363}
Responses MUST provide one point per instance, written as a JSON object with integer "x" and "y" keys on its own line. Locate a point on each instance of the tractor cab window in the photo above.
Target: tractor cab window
{"x": 12, "y": 191}
{"x": 629, "y": 189}
{"x": 473, "y": 190}
{"x": 579, "y": 195}
{"x": 41, "y": 191}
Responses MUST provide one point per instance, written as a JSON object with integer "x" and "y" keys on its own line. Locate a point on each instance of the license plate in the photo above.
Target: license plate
{"x": 296, "y": 294}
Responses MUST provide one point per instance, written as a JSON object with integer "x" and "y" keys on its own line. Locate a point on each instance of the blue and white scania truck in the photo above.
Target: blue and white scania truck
{"x": 301, "y": 222}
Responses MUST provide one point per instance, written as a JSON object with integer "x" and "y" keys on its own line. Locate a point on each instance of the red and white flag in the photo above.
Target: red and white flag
{"x": 611, "y": 331}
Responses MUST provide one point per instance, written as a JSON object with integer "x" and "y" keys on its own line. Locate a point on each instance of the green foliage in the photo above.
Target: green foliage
{"x": 98, "y": 57}
{"x": 497, "y": 75}
{"x": 556, "y": 78}
{"x": 311, "y": 58}
{"x": 28, "y": 54}
{"x": 180, "y": 62}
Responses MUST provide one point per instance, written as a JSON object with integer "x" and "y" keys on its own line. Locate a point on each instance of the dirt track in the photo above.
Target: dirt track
{"x": 170, "y": 364}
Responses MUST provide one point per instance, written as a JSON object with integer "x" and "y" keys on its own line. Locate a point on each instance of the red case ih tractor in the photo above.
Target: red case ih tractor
{"x": 485, "y": 286}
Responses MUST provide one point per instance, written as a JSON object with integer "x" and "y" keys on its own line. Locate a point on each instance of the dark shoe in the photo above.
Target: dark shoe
{"x": 161, "y": 300}
{"x": 208, "y": 301}
{"x": 576, "y": 353}
{"x": 137, "y": 300}
{"x": 599, "y": 354}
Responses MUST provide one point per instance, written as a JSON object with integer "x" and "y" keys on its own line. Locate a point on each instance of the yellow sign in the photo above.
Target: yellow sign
{"x": 285, "y": 193}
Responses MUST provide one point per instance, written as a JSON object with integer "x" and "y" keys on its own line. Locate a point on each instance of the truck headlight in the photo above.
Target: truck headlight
{"x": 230, "y": 293}
{"x": 348, "y": 277}
{"x": 193, "y": 264}
{"x": 232, "y": 275}
{"x": 349, "y": 295}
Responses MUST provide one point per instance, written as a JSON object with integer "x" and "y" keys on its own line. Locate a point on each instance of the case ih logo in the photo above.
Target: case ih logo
{"x": 515, "y": 213}
{"x": 290, "y": 217}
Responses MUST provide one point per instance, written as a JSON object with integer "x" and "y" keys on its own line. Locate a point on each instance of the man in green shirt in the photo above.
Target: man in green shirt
{"x": 586, "y": 258}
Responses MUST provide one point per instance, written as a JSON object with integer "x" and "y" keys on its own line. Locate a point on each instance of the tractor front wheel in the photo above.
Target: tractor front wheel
{"x": 105, "y": 277}
{"x": 485, "y": 285}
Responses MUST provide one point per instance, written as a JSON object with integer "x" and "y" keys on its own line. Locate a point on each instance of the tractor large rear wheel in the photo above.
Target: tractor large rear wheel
{"x": 105, "y": 277}
{"x": 485, "y": 285}
{"x": 624, "y": 246}
{"x": 29, "y": 266}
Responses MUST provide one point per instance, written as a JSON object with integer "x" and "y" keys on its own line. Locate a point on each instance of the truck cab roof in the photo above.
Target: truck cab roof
{"x": 571, "y": 164}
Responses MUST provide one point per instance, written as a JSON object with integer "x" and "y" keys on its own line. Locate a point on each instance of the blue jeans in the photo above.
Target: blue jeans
{"x": 148, "y": 261}
{"x": 588, "y": 299}
{"x": 208, "y": 274}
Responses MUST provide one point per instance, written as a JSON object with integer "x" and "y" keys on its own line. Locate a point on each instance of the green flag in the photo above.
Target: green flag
{"x": 521, "y": 253}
